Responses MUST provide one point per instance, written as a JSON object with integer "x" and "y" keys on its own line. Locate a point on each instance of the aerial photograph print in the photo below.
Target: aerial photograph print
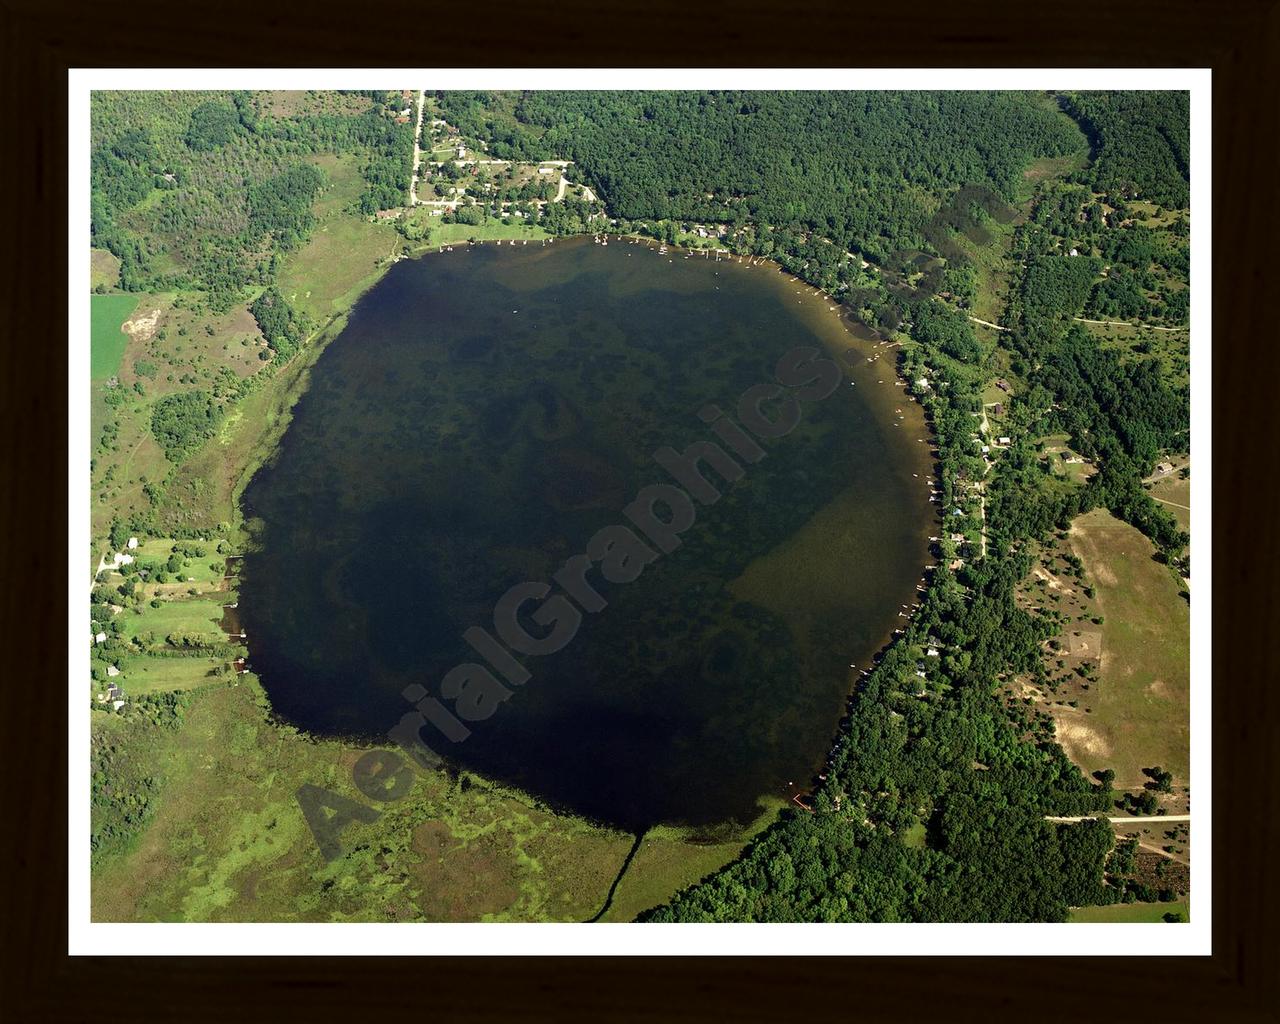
{"x": 632, "y": 505}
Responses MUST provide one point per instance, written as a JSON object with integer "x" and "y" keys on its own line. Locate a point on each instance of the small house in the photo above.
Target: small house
{"x": 1003, "y": 440}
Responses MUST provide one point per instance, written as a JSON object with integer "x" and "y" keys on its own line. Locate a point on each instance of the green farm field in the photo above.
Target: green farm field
{"x": 107, "y": 314}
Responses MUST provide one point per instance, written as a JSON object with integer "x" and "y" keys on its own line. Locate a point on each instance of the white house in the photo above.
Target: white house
{"x": 133, "y": 543}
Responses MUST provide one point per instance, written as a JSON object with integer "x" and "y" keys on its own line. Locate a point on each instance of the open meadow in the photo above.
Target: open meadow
{"x": 1141, "y": 704}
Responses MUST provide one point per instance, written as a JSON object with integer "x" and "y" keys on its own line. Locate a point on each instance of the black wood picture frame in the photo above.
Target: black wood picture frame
{"x": 1239, "y": 40}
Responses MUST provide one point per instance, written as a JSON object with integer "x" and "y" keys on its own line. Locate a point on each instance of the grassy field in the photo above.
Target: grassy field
{"x": 343, "y": 257}
{"x": 181, "y": 615}
{"x": 991, "y": 265}
{"x": 104, "y": 269}
{"x": 343, "y": 185}
{"x": 1141, "y": 706}
{"x": 147, "y": 673}
{"x": 107, "y": 313}
{"x": 1129, "y": 913}
{"x": 455, "y": 234}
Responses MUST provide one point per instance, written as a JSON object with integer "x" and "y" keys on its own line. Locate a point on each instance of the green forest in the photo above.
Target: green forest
{"x": 865, "y": 170}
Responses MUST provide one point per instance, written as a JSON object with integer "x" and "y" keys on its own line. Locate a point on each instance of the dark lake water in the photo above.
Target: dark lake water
{"x": 482, "y": 415}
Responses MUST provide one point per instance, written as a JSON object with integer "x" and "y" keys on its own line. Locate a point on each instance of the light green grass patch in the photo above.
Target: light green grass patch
{"x": 454, "y": 234}
{"x": 180, "y": 615}
{"x": 143, "y": 673}
{"x": 104, "y": 269}
{"x": 343, "y": 257}
{"x": 1129, "y": 913}
{"x": 107, "y": 314}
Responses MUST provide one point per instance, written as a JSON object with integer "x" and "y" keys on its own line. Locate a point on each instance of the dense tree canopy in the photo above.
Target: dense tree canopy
{"x": 858, "y": 168}
{"x": 181, "y": 422}
{"x": 1142, "y": 141}
{"x": 212, "y": 125}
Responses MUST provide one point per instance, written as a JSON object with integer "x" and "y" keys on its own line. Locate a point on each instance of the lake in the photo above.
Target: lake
{"x": 483, "y": 414}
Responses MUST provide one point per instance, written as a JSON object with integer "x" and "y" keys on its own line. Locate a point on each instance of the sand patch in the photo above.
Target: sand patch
{"x": 140, "y": 328}
{"x": 1079, "y": 740}
{"x": 1085, "y": 645}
